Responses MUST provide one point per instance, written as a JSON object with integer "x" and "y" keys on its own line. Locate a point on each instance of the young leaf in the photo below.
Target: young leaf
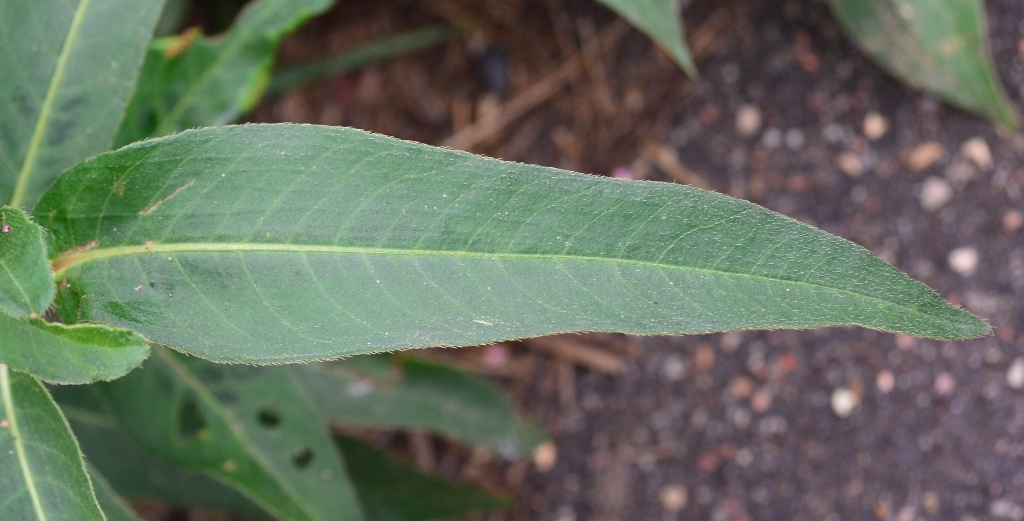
{"x": 41, "y": 470}
{"x": 76, "y": 354}
{"x": 276, "y": 243}
{"x": 115, "y": 508}
{"x": 68, "y": 67}
{"x": 392, "y": 490}
{"x": 26, "y": 284}
{"x": 659, "y": 19}
{"x": 391, "y": 392}
{"x": 191, "y": 82}
{"x": 252, "y": 428}
{"x": 939, "y": 46}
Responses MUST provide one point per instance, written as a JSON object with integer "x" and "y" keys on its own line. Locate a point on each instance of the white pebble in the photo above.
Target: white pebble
{"x": 935, "y": 193}
{"x": 1006, "y": 509}
{"x": 748, "y": 120}
{"x": 945, "y": 384}
{"x": 885, "y": 381}
{"x": 844, "y": 401}
{"x": 772, "y": 138}
{"x": 545, "y": 456}
{"x": 875, "y": 125}
{"x": 963, "y": 260}
{"x": 850, "y": 164}
{"x": 1015, "y": 376}
{"x": 674, "y": 368}
{"x": 976, "y": 149}
{"x": 673, "y": 498}
{"x": 794, "y": 139}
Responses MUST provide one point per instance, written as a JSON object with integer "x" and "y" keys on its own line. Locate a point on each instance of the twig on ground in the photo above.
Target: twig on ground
{"x": 570, "y": 349}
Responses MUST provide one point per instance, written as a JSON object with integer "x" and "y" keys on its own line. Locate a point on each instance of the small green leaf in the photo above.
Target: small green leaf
{"x": 42, "y": 476}
{"x": 392, "y": 490}
{"x": 252, "y": 428}
{"x": 939, "y": 46}
{"x": 76, "y": 354}
{"x": 392, "y": 392}
{"x": 115, "y": 507}
{"x": 660, "y": 20}
{"x": 68, "y": 67}
{"x": 276, "y": 243}
{"x": 26, "y": 284}
{"x": 188, "y": 83}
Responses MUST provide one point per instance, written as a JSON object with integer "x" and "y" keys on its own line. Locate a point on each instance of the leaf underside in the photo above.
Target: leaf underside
{"x": 278, "y": 243}
{"x": 660, "y": 20}
{"x": 939, "y": 46}
{"x": 42, "y": 476}
{"x": 26, "y": 285}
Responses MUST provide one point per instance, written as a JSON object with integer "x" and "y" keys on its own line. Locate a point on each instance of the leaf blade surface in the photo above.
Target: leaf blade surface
{"x": 275, "y": 243}
{"x": 659, "y": 19}
{"x": 26, "y": 285}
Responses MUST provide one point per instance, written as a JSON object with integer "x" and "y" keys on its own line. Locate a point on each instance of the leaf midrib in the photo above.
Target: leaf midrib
{"x": 19, "y": 446}
{"x": 65, "y": 262}
{"x": 28, "y": 165}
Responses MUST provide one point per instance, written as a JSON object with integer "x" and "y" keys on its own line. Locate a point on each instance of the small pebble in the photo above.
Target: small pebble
{"x": 924, "y": 156}
{"x": 673, "y": 498}
{"x": 936, "y": 192}
{"x": 844, "y": 401}
{"x": 772, "y": 138}
{"x": 885, "y": 381}
{"x": 850, "y": 164}
{"x": 930, "y": 502}
{"x": 622, "y": 172}
{"x": 1012, "y": 221}
{"x": 976, "y": 149}
{"x": 1015, "y": 376}
{"x": 741, "y": 387}
{"x": 704, "y": 359}
{"x": 748, "y": 120}
{"x": 875, "y": 125}
{"x": 963, "y": 260}
{"x": 945, "y": 384}
{"x": 674, "y": 368}
{"x": 496, "y": 355}
{"x": 545, "y": 456}
{"x": 1006, "y": 509}
{"x": 761, "y": 401}
{"x": 794, "y": 139}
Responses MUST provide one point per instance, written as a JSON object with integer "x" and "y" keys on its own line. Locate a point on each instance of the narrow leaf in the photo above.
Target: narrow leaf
{"x": 275, "y": 243}
{"x": 939, "y": 46}
{"x": 68, "y": 68}
{"x": 191, "y": 82}
{"x": 115, "y": 507}
{"x": 26, "y": 284}
{"x": 393, "y": 490}
{"x": 249, "y": 427}
{"x": 42, "y": 476}
{"x": 391, "y": 392}
{"x": 69, "y": 354}
{"x": 660, "y": 20}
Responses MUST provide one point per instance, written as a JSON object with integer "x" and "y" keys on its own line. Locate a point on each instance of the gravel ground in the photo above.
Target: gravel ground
{"x": 835, "y": 424}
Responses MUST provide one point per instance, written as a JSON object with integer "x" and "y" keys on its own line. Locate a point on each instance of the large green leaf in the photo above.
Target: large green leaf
{"x": 67, "y": 69}
{"x": 69, "y": 354}
{"x": 42, "y": 476}
{"x": 252, "y": 428}
{"x": 393, "y": 392}
{"x": 392, "y": 490}
{"x": 211, "y": 81}
{"x": 659, "y": 19}
{"x": 115, "y": 507}
{"x": 26, "y": 285}
{"x": 275, "y": 243}
{"x": 939, "y": 46}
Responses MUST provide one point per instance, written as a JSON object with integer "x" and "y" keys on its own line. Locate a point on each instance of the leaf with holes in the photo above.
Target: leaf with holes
{"x": 68, "y": 68}
{"x": 113, "y": 505}
{"x": 26, "y": 284}
{"x": 252, "y": 428}
{"x": 191, "y": 81}
{"x": 279, "y": 243}
{"x": 939, "y": 46}
{"x": 75, "y": 354}
{"x": 397, "y": 392}
{"x": 660, "y": 20}
{"x": 42, "y": 476}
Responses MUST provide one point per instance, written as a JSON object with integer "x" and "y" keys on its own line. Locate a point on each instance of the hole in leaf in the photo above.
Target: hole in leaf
{"x": 190, "y": 419}
{"x": 269, "y": 417}
{"x": 302, "y": 458}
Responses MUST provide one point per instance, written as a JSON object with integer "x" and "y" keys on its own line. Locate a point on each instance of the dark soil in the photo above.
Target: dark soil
{"x": 743, "y": 426}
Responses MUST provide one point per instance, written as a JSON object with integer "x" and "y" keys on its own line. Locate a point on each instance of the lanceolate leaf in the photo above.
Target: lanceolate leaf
{"x": 659, "y": 19}
{"x": 26, "y": 285}
{"x": 113, "y": 505}
{"x": 940, "y": 46}
{"x": 252, "y": 428}
{"x": 387, "y": 391}
{"x": 42, "y": 476}
{"x": 275, "y": 243}
{"x": 69, "y": 354}
{"x": 191, "y": 82}
{"x": 68, "y": 67}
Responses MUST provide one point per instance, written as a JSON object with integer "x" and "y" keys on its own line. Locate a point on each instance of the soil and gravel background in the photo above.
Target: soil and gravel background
{"x": 833, "y": 424}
